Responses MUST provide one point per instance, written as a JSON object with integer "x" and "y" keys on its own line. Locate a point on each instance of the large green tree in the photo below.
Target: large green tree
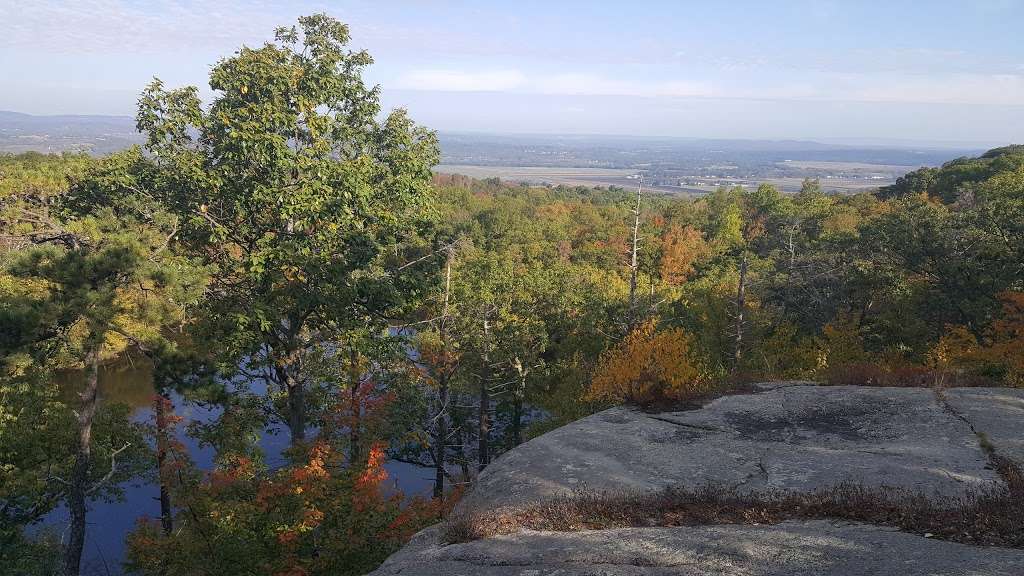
{"x": 310, "y": 207}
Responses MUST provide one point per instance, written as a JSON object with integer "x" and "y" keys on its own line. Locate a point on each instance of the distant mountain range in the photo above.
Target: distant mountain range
{"x": 104, "y": 134}
{"x": 681, "y": 153}
{"x": 95, "y": 134}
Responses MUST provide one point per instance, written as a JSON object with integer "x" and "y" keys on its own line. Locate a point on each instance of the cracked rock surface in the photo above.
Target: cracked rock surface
{"x": 790, "y": 436}
{"x": 814, "y": 548}
{"x": 995, "y": 413}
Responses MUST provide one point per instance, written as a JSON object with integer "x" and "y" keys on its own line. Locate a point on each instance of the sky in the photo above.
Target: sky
{"x": 926, "y": 71}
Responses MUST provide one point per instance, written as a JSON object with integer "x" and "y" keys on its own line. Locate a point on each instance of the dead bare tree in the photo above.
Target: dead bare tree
{"x": 484, "y": 417}
{"x": 634, "y": 264}
{"x": 443, "y": 378}
{"x": 741, "y": 302}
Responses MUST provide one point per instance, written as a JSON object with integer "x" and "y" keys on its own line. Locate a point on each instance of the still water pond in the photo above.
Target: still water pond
{"x": 110, "y": 522}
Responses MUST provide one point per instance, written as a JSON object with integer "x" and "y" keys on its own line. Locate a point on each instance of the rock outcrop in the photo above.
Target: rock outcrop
{"x": 791, "y": 436}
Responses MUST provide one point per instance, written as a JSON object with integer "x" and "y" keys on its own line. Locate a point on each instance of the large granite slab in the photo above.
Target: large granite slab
{"x": 787, "y": 436}
{"x": 815, "y": 548}
{"x": 793, "y": 437}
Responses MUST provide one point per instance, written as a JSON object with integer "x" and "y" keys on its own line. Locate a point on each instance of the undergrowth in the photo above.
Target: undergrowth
{"x": 987, "y": 516}
{"x": 904, "y": 376}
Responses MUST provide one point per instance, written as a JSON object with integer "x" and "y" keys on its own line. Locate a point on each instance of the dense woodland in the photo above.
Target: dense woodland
{"x": 292, "y": 233}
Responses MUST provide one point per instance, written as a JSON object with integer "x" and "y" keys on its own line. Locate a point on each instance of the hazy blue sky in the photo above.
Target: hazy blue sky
{"x": 924, "y": 70}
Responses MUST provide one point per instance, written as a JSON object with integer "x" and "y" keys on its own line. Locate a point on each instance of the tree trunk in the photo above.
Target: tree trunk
{"x": 483, "y": 432}
{"x": 163, "y": 402}
{"x": 517, "y": 420}
{"x": 485, "y": 426}
{"x": 441, "y": 426}
{"x": 284, "y": 373}
{"x": 355, "y": 453}
{"x": 297, "y": 411}
{"x": 88, "y": 399}
{"x": 517, "y": 403}
{"x": 463, "y": 459}
{"x": 741, "y": 301}
{"x": 792, "y": 249}
{"x": 634, "y": 260}
{"x": 440, "y": 436}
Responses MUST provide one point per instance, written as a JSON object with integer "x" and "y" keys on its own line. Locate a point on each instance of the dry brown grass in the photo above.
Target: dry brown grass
{"x": 905, "y": 376}
{"x": 990, "y": 517}
{"x": 699, "y": 398}
{"x": 862, "y": 374}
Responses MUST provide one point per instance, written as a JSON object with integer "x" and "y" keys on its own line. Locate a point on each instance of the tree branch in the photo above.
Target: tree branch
{"x": 113, "y": 468}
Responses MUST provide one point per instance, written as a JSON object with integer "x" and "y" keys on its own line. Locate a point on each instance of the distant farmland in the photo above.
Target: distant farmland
{"x": 554, "y": 176}
{"x": 621, "y": 177}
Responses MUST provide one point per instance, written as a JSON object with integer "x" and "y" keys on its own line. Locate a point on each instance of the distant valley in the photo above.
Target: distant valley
{"x": 66, "y": 133}
{"x": 670, "y": 165}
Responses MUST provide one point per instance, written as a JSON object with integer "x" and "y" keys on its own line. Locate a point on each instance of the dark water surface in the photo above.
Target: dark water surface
{"x": 110, "y": 522}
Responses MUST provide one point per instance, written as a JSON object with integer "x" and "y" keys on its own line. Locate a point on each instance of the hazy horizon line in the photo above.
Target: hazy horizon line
{"x": 841, "y": 141}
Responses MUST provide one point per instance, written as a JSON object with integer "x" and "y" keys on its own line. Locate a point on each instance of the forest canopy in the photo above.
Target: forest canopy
{"x": 290, "y": 233}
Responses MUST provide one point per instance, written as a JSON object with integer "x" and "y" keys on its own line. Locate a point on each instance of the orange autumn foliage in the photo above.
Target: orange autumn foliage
{"x": 681, "y": 248}
{"x": 1001, "y": 350}
{"x": 316, "y": 516}
{"x": 366, "y": 490}
{"x": 233, "y": 470}
{"x": 1008, "y": 337}
{"x": 172, "y": 455}
{"x": 648, "y": 367}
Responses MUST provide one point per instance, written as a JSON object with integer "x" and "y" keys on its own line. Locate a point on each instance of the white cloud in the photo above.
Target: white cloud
{"x": 590, "y": 84}
{"x": 578, "y": 84}
{"x": 990, "y": 89}
{"x": 975, "y": 89}
{"x": 457, "y": 81}
{"x": 117, "y": 25}
{"x": 203, "y": 30}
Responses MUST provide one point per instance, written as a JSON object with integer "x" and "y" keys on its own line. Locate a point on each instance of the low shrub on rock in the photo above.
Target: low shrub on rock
{"x": 650, "y": 367}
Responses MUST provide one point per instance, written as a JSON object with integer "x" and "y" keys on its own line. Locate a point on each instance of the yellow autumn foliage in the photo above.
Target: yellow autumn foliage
{"x": 682, "y": 247}
{"x": 648, "y": 366}
{"x": 843, "y": 343}
{"x": 1008, "y": 337}
{"x": 1002, "y": 347}
{"x": 956, "y": 347}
